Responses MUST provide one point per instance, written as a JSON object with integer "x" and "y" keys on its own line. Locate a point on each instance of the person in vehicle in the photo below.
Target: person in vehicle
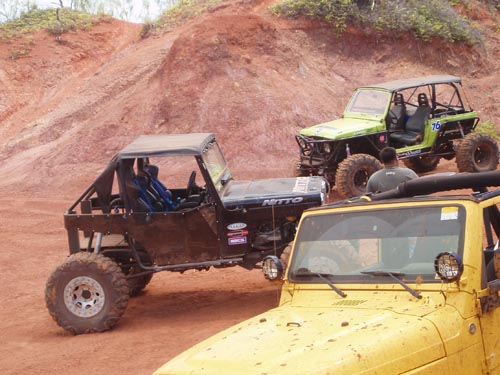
{"x": 391, "y": 175}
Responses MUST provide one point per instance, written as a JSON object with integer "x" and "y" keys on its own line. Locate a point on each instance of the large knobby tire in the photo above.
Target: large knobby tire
{"x": 137, "y": 284}
{"x": 129, "y": 268}
{"x": 87, "y": 293}
{"x": 477, "y": 152}
{"x": 422, "y": 164}
{"x": 353, "y": 173}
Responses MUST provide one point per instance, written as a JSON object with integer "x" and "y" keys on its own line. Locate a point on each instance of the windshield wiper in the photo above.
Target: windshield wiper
{"x": 306, "y": 272}
{"x": 393, "y": 275}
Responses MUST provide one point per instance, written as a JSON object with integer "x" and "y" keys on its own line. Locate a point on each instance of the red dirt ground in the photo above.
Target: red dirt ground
{"x": 237, "y": 71}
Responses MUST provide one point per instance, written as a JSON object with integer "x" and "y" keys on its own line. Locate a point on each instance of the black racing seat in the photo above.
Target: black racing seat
{"x": 415, "y": 126}
{"x": 397, "y": 113}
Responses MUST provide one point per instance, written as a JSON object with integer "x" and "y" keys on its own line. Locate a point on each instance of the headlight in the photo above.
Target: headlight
{"x": 302, "y": 143}
{"x": 305, "y": 148}
{"x": 327, "y": 147}
{"x": 448, "y": 266}
{"x": 272, "y": 268}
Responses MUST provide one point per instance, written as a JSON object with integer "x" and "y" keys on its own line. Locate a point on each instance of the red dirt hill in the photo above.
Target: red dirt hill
{"x": 237, "y": 71}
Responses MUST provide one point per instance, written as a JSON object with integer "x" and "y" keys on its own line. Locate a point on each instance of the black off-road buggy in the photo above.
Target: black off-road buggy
{"x": 121, "y": 231}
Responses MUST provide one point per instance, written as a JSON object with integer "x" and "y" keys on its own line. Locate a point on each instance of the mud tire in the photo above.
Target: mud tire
{"x": 353, "y": 173}
{"x": 137, "y": 284}
{"x": 87, "y": 293}
{"x": 422, "y": 164}
{"x": 129, "y": 267}
{"x": 477, "y": 152}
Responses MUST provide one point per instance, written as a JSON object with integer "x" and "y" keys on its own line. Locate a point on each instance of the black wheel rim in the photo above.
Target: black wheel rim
{"x": 360, "y": 180}
{"x": 482, "y": 155}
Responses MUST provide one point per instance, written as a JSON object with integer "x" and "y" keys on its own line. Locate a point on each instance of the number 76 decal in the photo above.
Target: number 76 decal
{"x": 436, "y": 126}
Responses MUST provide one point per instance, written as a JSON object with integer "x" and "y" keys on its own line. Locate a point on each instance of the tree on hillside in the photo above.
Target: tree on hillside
{"x": 124, "y": 9}
{"x": 11, "y": 9}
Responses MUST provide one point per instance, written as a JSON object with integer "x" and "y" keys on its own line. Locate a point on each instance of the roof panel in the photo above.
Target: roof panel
{"x": 402, "y": 84}
{"x": 166, "y": 145}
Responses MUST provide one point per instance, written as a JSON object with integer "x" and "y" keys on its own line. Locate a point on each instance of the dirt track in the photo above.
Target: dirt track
{"x": 175, "y": 312}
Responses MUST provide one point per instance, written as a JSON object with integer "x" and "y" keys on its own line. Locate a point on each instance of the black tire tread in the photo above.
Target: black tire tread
{"x": 137, "y": 284}
{"x": 466, "y": 149}
{"x": 347, "y": 168}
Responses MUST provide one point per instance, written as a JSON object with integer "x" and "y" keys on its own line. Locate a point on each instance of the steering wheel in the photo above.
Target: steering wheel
{"x": 191, "y": 184}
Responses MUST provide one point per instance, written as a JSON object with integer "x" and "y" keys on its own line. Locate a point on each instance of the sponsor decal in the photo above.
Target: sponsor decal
{"x": 282, "y": 201}
{"x": 320, "y": 129}
{"x": 236, "y": 226}
{"x": 410, "y": 153}
{"x": 301, "y": 185}
{"x": 237, "y": 233}
{"x": 236, "y": 241}
{"x": 449, "y": 213}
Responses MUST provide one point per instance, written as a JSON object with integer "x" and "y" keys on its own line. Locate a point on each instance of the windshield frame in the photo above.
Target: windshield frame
{"x": 409, "y": 272}
{"x": 216, "y": 166}
{"x": 361, "y": 104}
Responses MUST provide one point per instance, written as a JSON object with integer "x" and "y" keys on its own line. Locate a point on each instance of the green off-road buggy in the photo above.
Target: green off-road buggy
{"x": 425, "y": 119}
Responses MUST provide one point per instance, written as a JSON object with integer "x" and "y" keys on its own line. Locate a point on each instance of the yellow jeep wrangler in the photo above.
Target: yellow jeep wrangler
{"x": 401, "y": 282}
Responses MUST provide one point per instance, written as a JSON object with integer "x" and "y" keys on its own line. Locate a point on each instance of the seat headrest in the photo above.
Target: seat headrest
{"x": 422, "y": 100}
{"x": 152, "y": 170}
{"x": 143, "y": 178}
{"x": 398, "y": 99}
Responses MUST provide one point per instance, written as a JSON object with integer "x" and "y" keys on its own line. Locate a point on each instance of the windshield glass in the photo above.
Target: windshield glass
{"x": 371, "y": 102}
{"x": 216, "y": 165}
{"x": 351, "y": 245}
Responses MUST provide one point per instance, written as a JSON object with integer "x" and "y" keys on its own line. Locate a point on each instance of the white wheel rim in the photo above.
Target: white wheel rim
{"x": 84, "y": 297}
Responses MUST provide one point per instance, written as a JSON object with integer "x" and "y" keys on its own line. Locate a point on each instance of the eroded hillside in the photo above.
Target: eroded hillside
{"x": 238, "y": 71}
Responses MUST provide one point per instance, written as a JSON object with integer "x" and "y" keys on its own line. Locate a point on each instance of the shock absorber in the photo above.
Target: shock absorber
{"x": 461, "y": 130}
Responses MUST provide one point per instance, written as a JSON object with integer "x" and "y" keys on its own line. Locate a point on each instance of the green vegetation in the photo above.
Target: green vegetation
{"x": 47, "y": 19}
{"x": 490, "y": 128}
{"x": 184, "y": 10}
{"x": 55, "y": 21}
{"x": 425, "y": 19}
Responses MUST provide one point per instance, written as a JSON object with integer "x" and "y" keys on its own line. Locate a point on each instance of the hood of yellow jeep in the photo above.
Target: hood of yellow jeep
{"x": 305, "y": 340}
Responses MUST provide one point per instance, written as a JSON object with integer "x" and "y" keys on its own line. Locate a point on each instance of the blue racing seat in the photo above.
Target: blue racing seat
{"x": 163, "y": 192}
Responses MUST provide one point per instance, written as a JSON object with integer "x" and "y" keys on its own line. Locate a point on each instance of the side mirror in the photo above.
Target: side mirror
{"x": 448, "y": 266}
{"x": 272, "y": 268}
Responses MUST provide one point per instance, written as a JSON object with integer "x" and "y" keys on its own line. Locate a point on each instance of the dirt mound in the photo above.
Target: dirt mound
{"x": 236, "y": 71}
